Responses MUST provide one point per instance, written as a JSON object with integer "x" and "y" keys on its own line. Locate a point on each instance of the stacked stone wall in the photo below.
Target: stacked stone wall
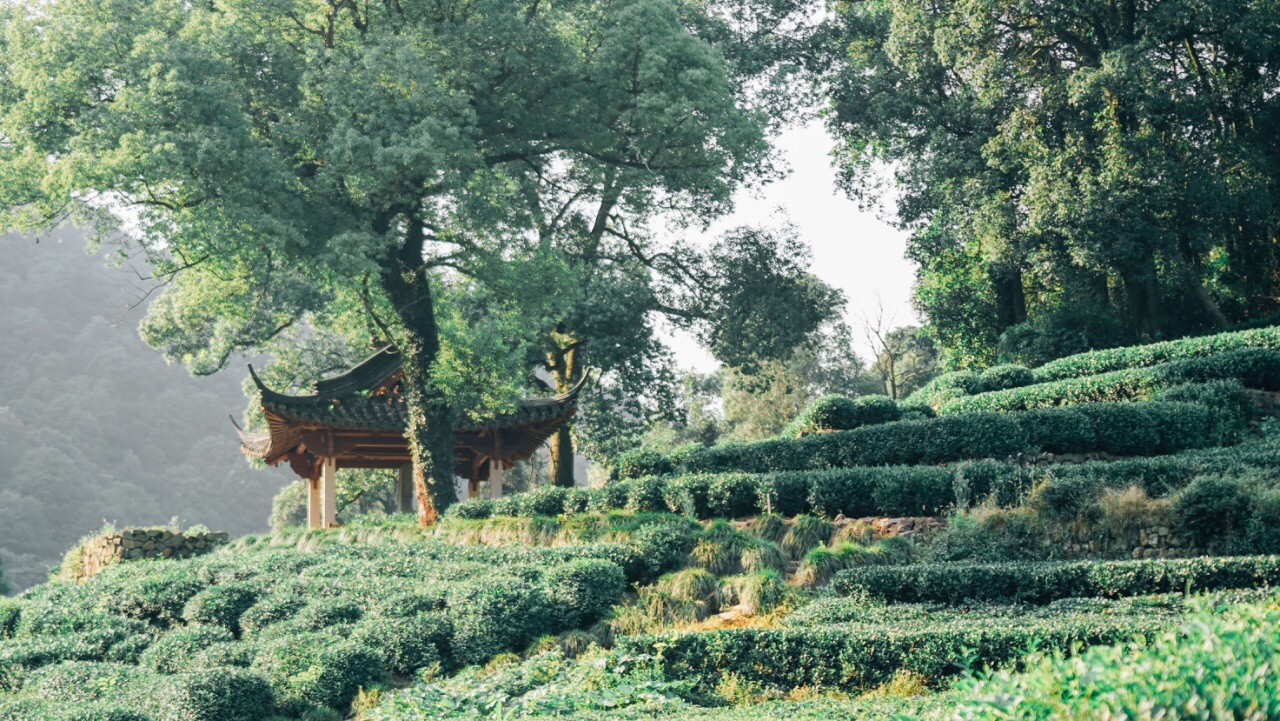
{"x": 133, "y": 544}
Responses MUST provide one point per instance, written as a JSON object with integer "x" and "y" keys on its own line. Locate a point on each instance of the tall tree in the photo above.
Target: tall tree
{"x": 294, "y": 152}
{"x": 748, "y": 298}
{"x": 1111, "y": 166}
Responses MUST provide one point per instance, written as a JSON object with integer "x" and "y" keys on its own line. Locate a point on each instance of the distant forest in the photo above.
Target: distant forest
{"x": 94, "y": 426}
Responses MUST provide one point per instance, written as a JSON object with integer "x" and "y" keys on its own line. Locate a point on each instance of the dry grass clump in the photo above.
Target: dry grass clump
{"x": 805, "y": 533}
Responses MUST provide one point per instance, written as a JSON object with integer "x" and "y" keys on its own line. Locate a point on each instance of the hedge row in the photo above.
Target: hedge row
{"x": 840, "y": 413}
{"x": 1120, "y": 429}
{"x": 950, "y": 386}
{"x": 1220, "y": 664}
{"x": 1257, "y": 368}
{"x": 268, "y": 630}
{"x": 1061, "y": 489}
{"x": 852, "y": 659}
{"x": 1049, "y": 581}
{"x": 1104, "y": 361}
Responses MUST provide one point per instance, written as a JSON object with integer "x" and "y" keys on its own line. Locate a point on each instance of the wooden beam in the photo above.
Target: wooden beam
{"x": 329, "y": 492}
{"x": 404, "y": 489}
{"x": 313, "y": 503}
{"x": 496, "y": 473}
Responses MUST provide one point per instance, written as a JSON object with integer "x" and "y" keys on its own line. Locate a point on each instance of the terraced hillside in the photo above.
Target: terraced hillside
{"x": 1062, "y": 554}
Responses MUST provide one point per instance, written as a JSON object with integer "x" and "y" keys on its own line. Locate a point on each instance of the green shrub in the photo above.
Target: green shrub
{"x": 998, "y": 378}
{"x": 314, "y": 671}
{"x": 496, "y": 615}
{"x": 840, "y": 413}
{"x": 1257, "y": 368}
{"x": 1122, "y": 429}
{"x": 213, "y": 695}
{"x": 1048, "y": 581}
{"x": 1059, "y": 430}
{"x": 187, "y": 649}
{"x": 1103, "y": 361}
{"x": 854, "y": 659}
{"x": 156, "y": 596}
{"x": 916, "y": 411}
{"x": 1227, "y": 400}
{"x": 407, "y": 643}
{"x": 583, "y": 590}
{"x": 1218, "y": 665}
{"x": 475, "y": 508}
{"x": 322, "y": 613}
{"x": 947, "y": 386}
{"x": 279, "y": 606}
{"x": 1262, "y": 531}
{"x": 82, "y": 681}
{"x": 1210, "y": 508}
{"x": 10, "y": 614}
{"x": 222, "y": 605}
{"x": 25, "y": 655}
{"x": 663, "y": 546}
{"x": 642, "y": 462}
{"x": 644, "y": 495}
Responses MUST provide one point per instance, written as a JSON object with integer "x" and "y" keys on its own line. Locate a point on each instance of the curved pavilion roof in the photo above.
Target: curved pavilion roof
{"x": 364, "y": 406}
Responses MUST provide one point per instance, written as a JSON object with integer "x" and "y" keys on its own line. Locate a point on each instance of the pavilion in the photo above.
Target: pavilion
{"x": 357, "y": 420}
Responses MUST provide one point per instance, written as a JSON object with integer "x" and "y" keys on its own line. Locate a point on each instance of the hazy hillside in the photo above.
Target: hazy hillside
{"x": 94, "y": 426}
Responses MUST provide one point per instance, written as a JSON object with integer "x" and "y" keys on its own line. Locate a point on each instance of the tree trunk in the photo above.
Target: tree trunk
{"x": 564, "y": 369}
{"x": 1011, "y": 299}
{"x": 407, "y": 284}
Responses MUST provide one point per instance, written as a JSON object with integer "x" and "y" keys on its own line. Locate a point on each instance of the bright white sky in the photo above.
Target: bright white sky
{"x": 853, "y": 250}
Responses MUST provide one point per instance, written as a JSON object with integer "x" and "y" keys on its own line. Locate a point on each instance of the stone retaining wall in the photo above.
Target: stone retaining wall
{"x": 132, "y": 544}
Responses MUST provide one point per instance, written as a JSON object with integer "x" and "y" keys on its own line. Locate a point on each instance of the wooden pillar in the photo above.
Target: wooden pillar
{"x": 329, "y": 492}
{"x": 496, "y": 474}
{"x": 404, "y": 489}
{"x": 313, "y": 503}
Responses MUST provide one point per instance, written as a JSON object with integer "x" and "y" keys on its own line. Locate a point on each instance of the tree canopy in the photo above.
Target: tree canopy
{"x": 282, "y": 163}
{"x": 1074, "y": 174}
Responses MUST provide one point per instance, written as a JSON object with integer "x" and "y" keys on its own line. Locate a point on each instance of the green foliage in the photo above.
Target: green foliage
{"x": 805, "y": 532}
{"x": 583, "y": 590}
{"x": 213, "y": 695}
{"x": 10, "y": 615}
{"x": 406, "y": 644}
{"x": 998, "y": 378}
{"x": 1059, "y": 430}
{"x": 947, "y": 386}
{"x": 838, "y": 413}
{"x": 1076, "y": 238}
{"x": 1217, "y": 665}
{"x": 317, "y": 621}
{"x": 222, "y": 605}
{"x": 1257, "y": 368}
{"x": 857, "y": 658}
{"x": 1211, "y": 507}
{"x": 1142, "y": 356}
{"x": 190, "y": 649}
{"x": 1061, "y": 490}
{"x": 1043, "y": 582}
{"x": 642, "y": 462}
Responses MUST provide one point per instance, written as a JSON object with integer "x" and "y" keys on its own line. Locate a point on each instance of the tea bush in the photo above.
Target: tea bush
{"x": 840, "y": 413}
{"x": 1103, "y": 361}
{"x": 1257, "y": 368}
{"x": 835, "y": 657}
{"x": 1062, "y": 491}
{"x": 1118, "y": 428}
{"x": 1042, "y": 582}
{"x": 1217, "y": 665}
{"x": 267, "y": 630}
